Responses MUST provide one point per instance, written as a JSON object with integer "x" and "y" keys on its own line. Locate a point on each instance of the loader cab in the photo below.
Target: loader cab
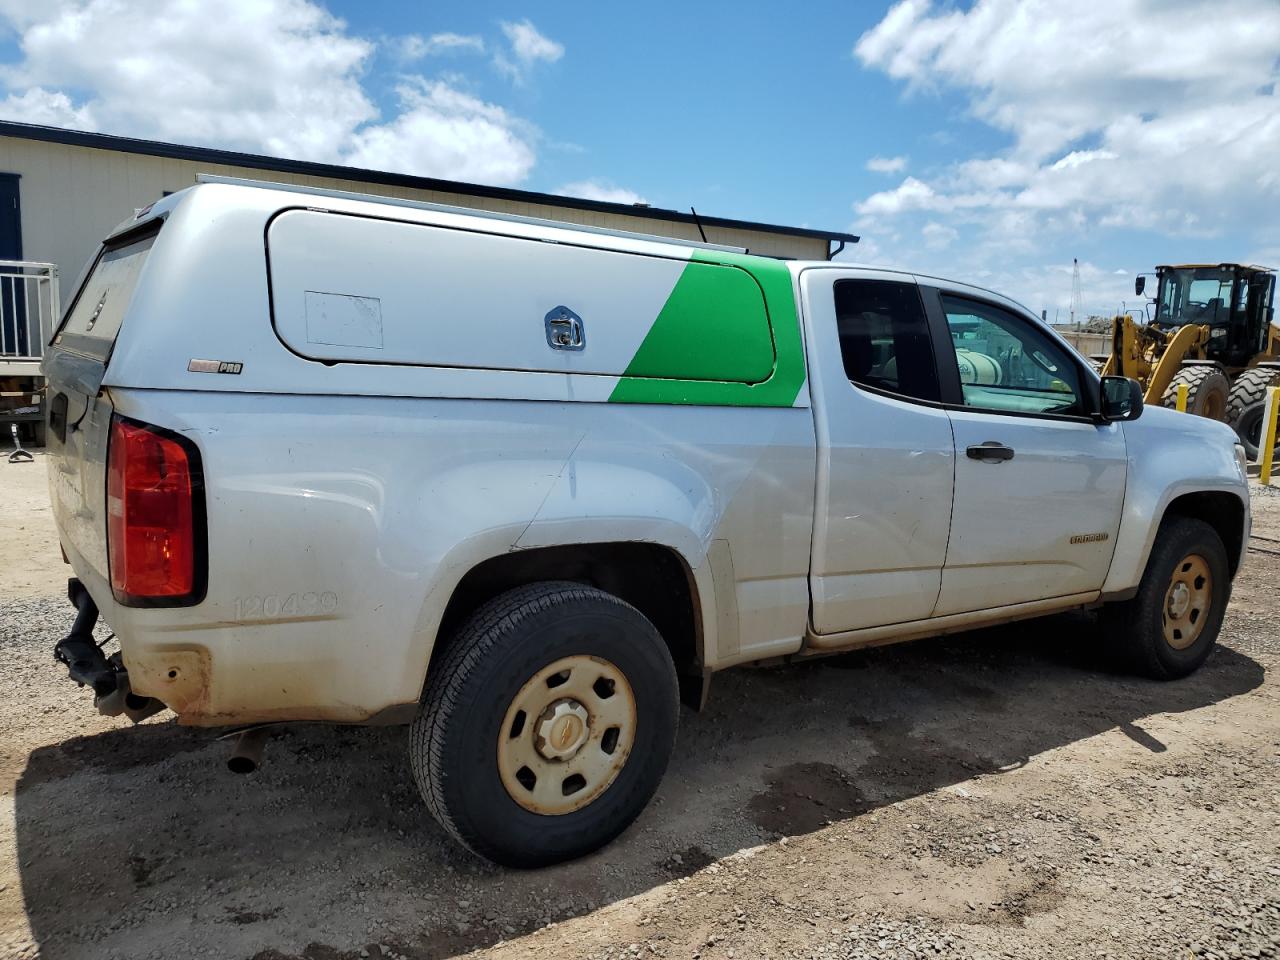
{"x": 1233, "y": 301}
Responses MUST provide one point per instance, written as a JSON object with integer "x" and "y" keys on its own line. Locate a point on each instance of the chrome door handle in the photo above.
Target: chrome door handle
{"x": 989, "y": 451}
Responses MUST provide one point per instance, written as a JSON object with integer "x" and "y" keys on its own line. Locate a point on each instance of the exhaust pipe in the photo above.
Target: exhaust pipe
{"x": 137, "y": 708}
{"x": 247, "y": 755}
{"x": 122, "y": 700}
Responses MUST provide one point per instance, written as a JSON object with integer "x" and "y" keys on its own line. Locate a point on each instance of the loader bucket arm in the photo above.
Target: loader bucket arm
{"x": 1125, "y": 358}
{"x": 1187, "y": 343}
{"x": 1131, "y": 347}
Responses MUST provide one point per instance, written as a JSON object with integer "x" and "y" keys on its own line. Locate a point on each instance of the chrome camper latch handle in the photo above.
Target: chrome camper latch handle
{"x": 565, "y": 330}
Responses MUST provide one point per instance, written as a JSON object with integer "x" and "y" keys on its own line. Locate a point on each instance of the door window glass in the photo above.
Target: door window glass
{"x": 884, "y": 337}
{"x": 1007, "y": 365}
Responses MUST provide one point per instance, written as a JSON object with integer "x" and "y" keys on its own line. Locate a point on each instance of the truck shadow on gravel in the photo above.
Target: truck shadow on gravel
{"x": 139, "y": 841}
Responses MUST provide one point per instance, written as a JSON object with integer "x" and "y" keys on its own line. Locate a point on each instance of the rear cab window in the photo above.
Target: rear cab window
{"x": 884, "y": 338}
{"x": 93, "y": 322}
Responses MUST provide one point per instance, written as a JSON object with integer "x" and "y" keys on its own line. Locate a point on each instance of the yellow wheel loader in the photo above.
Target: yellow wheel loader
{"x": 1212, "y": 331}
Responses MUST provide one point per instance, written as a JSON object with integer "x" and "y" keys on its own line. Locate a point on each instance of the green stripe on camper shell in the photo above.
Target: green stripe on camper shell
{"x": 668, "y": 343}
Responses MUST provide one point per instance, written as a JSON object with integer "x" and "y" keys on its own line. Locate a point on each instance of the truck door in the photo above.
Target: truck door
{"x": 1039, "y": 485}
{"x": 885, "y": 453}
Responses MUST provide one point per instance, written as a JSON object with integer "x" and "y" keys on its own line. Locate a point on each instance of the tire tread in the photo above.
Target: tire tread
{"x": 1195, "y": 377}
{"x": 1250, "y": 388}
{"x": 465, "y": 652}
{"x": 1128, "y": 624}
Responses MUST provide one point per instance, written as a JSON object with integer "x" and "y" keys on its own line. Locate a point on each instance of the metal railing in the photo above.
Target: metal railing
{"x": 29, "y": 308}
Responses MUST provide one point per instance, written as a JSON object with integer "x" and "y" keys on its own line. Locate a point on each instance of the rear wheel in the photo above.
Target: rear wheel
{"x": 1207, "y": 391}
{"x": 1247, "y": 403}
{"x": 547, "y": 725}
{"x": 1169, "y": 628}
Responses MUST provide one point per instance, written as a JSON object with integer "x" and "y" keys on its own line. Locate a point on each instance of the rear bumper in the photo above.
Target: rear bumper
{"x": 213, "y": 669}
{"x": 211, "y": 674}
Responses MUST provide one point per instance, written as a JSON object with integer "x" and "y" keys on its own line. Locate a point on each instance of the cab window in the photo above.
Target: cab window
{"x": 1007, "y": 365}
{"x": 884, "y": 338}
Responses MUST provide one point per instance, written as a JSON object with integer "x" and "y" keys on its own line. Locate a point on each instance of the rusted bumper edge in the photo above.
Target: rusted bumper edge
{"x": 89, "y": 667}
{"x": 179, "y": 680}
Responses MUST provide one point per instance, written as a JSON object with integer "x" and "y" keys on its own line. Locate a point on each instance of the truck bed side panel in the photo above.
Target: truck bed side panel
{"x": 338, "y": 527}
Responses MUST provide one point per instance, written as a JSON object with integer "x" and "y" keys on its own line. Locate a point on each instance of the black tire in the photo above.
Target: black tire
{"x": 1208, "y": 390}
{"x": 1247, "y": 403}
{"x": 1248, "y": 427}
{"x": 1135, "y": 629}
{"x": 453, "y": 743}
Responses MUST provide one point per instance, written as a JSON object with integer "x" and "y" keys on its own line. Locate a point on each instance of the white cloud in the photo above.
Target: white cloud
{"x": 1177, "y": 139}
{"x": 600, "y": 190}
{"x": 887, "y": 164}
{"x": 51, "y": 108}
{"x": 442, "y": 132}
{"x": 1047, "y": 72}
{"x": 938, "y": 236}
{"x": 415, "y": 46}
{"x": 281, "y": 77}
{"x": 529, "y": 47}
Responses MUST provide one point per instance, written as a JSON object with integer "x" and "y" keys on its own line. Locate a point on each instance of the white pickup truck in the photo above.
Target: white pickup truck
{"x": 525, "y": 485}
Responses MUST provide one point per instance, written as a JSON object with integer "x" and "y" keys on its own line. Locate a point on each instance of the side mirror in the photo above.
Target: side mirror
{"x": 1139, "y": 284}
{"x": 1121, "y": 399}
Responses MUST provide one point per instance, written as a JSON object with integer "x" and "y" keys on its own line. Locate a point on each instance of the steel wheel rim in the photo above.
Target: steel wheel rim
{"x": 1187, "y": 601}
{"x": 566, "y": 735}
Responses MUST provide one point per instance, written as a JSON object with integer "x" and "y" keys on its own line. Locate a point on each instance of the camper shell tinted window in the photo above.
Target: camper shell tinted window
{"x": 361, "y": 289}
{"x": 95, "y": 317}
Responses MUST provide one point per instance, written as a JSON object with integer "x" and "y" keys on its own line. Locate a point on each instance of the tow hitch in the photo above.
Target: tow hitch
{"x": 88, "y": 666}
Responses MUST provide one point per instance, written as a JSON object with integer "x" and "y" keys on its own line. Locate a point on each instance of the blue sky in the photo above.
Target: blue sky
{"x": 685, "y": 105}
{"x": 991, "y": 141}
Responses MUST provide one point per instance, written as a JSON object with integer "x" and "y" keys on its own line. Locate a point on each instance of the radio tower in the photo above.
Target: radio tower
{"x": 1075, "y": 290}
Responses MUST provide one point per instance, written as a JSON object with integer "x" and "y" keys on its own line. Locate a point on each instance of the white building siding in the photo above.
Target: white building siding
{"x": 72, "y": 196}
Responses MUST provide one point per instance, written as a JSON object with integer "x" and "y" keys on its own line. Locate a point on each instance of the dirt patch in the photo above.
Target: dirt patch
{"x": 30, "y": 558}
{"x": 242, "y": 917}
{"x": 686, "y": 862}
{"x": 115, "y": 751}
{"x": 803, "y": 797}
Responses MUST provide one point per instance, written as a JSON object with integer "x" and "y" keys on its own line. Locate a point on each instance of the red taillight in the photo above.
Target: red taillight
{"x": 155, "y": 523}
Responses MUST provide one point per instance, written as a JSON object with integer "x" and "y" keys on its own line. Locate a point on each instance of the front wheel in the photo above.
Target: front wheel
{"x": 1207, "y": 391}
{"x": 1170, "y": 626}
{"x": 547, "y": 725}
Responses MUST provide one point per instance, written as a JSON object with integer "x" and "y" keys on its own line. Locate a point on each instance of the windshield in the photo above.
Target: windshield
{"x": 1195, "y": 295}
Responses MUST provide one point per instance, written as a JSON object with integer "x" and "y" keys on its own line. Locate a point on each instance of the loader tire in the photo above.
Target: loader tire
{"x": 1207, "y": 391}
{"x": 1247, "y": 405}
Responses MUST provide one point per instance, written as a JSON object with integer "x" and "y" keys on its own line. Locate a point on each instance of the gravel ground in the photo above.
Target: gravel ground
{"x": 995, "y": 794}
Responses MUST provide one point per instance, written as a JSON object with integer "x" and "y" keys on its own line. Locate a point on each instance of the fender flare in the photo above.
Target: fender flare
{"x": 1141, "y": 522}
{"x": 710, "y": 573}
